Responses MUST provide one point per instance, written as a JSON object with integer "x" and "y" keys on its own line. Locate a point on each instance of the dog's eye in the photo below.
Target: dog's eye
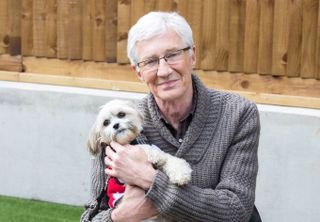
{"x": 106, "y": 122}
{"x": 121, "y": 114}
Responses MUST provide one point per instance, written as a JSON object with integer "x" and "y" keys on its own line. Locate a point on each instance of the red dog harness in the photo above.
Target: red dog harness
{"x": 114, "y": 191}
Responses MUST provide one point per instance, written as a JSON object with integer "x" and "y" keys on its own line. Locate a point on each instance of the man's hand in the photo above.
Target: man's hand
{"x": 134, "y": 206}
{"x": 129, "y": 164}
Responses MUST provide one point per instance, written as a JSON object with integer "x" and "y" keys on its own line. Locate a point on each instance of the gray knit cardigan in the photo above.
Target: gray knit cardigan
{"x": 221, "y": 146}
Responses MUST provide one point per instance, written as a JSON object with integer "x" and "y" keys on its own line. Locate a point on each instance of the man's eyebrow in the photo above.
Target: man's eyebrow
{"x": 148, "y": 58}
{"x": 155, "y": 56}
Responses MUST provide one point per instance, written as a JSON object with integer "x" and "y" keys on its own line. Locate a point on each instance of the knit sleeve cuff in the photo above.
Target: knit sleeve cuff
{"x": 104, "y": 216}
{"x": 157, "y": 190}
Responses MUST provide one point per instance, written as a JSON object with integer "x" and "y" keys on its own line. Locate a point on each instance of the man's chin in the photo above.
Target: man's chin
{"x": 169, "y": 95}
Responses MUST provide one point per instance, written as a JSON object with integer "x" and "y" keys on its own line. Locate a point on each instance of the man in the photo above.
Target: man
{"x": 217, "y": 133}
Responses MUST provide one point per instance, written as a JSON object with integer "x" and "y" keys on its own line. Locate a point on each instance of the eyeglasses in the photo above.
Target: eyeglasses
{"x": 152, "y": 64}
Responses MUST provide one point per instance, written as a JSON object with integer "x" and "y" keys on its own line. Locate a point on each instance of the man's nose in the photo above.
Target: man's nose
{"x": 164, "y": 68}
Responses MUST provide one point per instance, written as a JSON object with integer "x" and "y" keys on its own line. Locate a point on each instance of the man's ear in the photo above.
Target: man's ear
{"x": 193, "y": 57}
{"x": 138, "y": 74}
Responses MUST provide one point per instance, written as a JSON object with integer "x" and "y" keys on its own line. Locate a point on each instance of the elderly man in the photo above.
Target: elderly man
{"x": 217, "y": 133}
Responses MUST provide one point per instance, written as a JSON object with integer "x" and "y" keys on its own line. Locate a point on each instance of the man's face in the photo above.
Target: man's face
{"x": 168, "y": 82}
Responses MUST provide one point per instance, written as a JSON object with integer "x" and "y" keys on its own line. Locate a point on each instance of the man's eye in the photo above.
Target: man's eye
{"x": 121, "y": 114}
{"x": 172, "y": 55}
{"x": 106, "y": 122}
{"x": 151, "y": 62}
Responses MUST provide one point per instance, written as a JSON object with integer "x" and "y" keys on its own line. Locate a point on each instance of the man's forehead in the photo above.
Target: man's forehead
{"x": 158, "y": 45}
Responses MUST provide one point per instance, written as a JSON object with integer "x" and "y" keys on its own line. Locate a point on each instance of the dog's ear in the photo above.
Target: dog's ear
{"x": 93, "y": 141}
{"x": 134, "y": 105}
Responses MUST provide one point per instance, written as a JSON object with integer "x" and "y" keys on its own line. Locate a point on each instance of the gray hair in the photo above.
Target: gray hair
{"x": 154, "y": 24}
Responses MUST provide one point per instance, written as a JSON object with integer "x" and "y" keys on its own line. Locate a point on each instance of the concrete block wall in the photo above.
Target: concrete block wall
{"x": 289, "y": 164}
{"x": 43, "y": 131}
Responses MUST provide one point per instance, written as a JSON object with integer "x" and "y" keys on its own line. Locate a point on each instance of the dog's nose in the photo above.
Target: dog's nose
{"x": 116, "y": 126}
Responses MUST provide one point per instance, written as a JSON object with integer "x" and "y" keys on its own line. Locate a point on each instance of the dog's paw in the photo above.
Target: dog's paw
{"x": 178, "y": 170}
{"x": 155, "y": 155}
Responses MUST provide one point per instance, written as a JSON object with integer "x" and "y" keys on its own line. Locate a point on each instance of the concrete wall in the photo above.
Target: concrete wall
{"x": 289, "y": 158}
{"x": 43, "y": 130}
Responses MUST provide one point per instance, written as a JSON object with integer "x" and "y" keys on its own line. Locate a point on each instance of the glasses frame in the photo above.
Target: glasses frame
{"x": 163, "y": 57}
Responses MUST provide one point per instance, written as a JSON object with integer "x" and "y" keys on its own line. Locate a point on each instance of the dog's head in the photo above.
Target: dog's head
{"x": 119, "y": 121}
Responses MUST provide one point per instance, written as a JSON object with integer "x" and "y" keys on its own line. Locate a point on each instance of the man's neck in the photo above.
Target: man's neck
{"x": 176, "y": 110}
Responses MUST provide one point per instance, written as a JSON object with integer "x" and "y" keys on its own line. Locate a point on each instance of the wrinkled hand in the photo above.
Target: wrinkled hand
{"x": 134, "y": 206}
{"x": 129, "y": 163}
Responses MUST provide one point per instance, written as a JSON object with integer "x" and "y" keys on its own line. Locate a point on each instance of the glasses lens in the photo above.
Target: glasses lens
{"x": 174, "y": 57}
{"x": 149, "y": 65}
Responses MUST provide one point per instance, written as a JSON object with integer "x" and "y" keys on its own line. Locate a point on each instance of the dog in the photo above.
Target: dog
{"x": 120, "y": 121}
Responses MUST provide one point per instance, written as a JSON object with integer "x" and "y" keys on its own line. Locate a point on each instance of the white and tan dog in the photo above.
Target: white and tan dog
{"x": 120, "y": 121}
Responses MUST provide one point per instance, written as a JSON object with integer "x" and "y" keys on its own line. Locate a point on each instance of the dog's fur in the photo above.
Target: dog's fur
{"x": 120, "y": 121}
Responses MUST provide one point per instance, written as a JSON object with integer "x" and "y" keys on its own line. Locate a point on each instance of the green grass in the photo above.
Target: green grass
{"x": 22, "y": 210}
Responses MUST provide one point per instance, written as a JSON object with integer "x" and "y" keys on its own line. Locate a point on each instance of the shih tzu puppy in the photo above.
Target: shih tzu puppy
{"x": 120, "y": 121}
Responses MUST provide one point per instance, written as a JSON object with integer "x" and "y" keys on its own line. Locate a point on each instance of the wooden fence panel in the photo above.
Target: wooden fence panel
{"x": 265, "y": 36}
{"x": 51, "y": 28}
{"x": 309, "y": 37}
{"x": 62, "y": 28}
{"x": 165, "y": 5}
{"x": 124, "y": 23}
{"x": 26, "y": 27}
{"x": 111, "y": 30}
{"x": 137, "y": 10}
{"x": 295, "y": 39}
{"x": 39, "y": 28}
{"x": 236, "y": 36}
{"x": 44, "y": 28}
{"x": 87, "y": 29}
{"x": 99, "y": 32}
{"x": 209, "y": 27}
{"x": 14, "y": 27}
{"x": 222, "y": 36}
{"x": 182, "y": 8}
{"x": 280, "y": 37}
{"x": 150, "y": 5}
{"x": 74, "y": 37}
{"x": 194, "y": 16}
{"x": 4, "y": 27}
{"x": 251, "y": 36}
{"x": 318, "y": 46}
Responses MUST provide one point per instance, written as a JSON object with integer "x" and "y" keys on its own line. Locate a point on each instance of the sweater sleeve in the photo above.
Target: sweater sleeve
{"x": 233, "y": 197}
{"x": 97, "y": 184}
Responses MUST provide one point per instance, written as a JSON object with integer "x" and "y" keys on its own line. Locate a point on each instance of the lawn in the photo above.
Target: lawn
{"x": 22, "y": 210}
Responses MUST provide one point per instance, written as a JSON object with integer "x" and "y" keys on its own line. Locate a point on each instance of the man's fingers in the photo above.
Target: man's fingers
{"x": 116, "y": 146}
{"x": 109, "y": 171}
{"x": 107, "y": 161}
{"x": 110, "y": 152}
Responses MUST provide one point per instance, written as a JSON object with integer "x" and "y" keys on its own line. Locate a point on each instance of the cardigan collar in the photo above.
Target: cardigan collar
{"x": 186, "y": 120}
{"x": 206, "y": 115}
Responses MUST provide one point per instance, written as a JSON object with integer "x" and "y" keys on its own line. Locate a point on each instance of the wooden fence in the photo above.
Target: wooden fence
{"x": 276, "y": 37}
{"x": 268, "y": 50}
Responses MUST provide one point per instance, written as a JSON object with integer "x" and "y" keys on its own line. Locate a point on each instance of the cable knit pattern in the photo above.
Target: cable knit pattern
{"x": 221, "y": 146}
{"x": 98, "y": 180}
